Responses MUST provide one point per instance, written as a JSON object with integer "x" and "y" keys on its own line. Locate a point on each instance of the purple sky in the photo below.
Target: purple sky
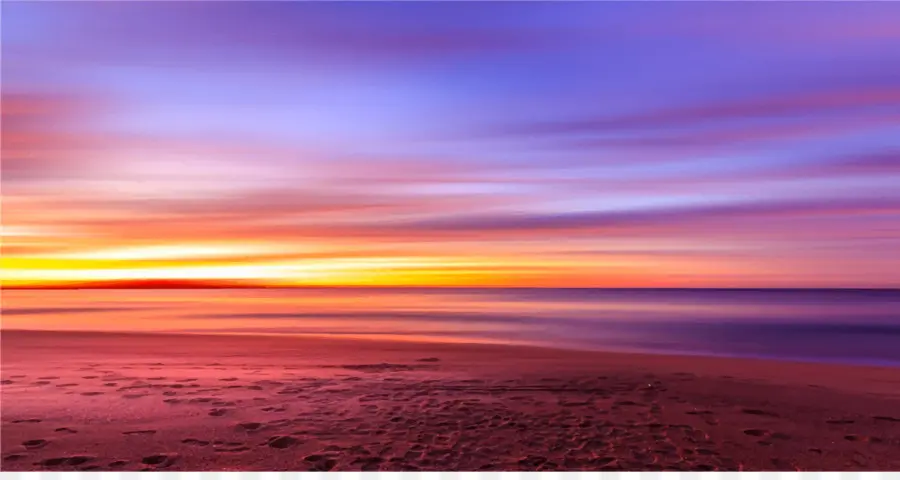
{"x": 679, "y": 143}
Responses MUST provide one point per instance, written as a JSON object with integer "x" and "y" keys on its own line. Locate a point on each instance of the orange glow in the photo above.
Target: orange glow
{"x": 247, "y": 264}
{"x": 418, "y": 157}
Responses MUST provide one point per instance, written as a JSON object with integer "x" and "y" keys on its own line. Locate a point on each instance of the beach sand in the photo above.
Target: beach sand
{"x": 93, "y": 401}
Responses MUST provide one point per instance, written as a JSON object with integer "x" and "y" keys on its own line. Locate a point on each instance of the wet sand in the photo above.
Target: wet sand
{"x": 92, "y": 401}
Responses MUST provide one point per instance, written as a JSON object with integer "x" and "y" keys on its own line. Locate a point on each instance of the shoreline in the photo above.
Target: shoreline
{"x": 563, "y": 349}
{"x": 758, "y": 369}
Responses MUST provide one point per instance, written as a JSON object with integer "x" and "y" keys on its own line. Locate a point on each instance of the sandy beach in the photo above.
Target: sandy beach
{"x": 95, "y": 401}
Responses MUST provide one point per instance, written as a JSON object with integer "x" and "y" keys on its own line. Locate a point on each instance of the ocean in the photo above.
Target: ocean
{"x": 834, "y": 326}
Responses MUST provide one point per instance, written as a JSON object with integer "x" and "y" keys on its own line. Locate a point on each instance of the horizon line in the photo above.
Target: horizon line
{"x": 428, "y": 287}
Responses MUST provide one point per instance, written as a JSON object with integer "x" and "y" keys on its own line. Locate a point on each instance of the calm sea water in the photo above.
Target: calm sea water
{"x": 842, "y": 326}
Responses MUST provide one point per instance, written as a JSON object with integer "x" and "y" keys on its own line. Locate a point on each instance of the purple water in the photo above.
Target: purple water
{"x": 841, "y": 326}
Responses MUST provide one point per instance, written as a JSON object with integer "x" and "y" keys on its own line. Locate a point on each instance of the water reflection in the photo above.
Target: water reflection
{"x": 849, "y": 326}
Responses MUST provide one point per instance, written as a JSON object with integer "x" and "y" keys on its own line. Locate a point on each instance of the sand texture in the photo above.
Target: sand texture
{"x": 82, "y": 401}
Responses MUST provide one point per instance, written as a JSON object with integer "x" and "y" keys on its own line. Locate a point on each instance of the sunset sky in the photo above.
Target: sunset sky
{"x": 708, "y": 144}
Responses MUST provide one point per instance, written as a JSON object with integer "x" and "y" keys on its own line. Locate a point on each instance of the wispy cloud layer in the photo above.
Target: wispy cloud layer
{"x": 542, "y": 144}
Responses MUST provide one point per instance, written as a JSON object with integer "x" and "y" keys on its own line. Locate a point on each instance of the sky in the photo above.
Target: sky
{"x": 644, "y": 144}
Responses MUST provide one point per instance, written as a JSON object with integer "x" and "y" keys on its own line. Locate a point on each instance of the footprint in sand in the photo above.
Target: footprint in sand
{"x": 196, "y": 442}
{"x": 28, "y": 420}
{"x": 41, "y": 382}
{"x": 218, "y": 412}
{"x": 839, "y": 421}
{"x": 756, "y": 432}
{"x": 48, "y": 378}
{"x": 74, "y": 460}
{"x": 250, "y": 426}
{"x": 755, "y": 411}
{"x": 13, "y": 457}
{"x": 64, "y": 385}
{"x": 139, "y": 432}
{"x": 118, "y": 463}
{"x": 201, "y": 400}
{"x": 884, "y": 418}
{"x": 232, "y": 447}
{"x": 33, "y": 444}
{"x": 368, "y": 463}
{"x": 91, "y": 394}
{"x": 573, "y": 403}
{"x": 159, "y": 460}
{"x": 5, "y": 382}
{"x": 324, "y": 465}
{"x": 66, "y": 430}
{"x": 321, "y": 461}
{"x": 281, "y": 442}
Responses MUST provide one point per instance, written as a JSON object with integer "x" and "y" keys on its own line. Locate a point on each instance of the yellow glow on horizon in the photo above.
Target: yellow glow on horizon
{"x": 123, "y": 264}
{"x": 280, "y": 264}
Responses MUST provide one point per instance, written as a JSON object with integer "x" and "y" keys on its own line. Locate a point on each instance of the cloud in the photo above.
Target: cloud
{"x": 873, "y": 164}
{"x": 878, "y": 163}
{"x": 39, "y": 134}
{"x": 66, "y": 310}
{"x": 731, "y": 213}
{"x": 736, "y": 136}
{"x": 782, "y": 24}
{"x": 135, "y": 32}
{"x": 135, "y": 165}
{"x": 811, "y": 103}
